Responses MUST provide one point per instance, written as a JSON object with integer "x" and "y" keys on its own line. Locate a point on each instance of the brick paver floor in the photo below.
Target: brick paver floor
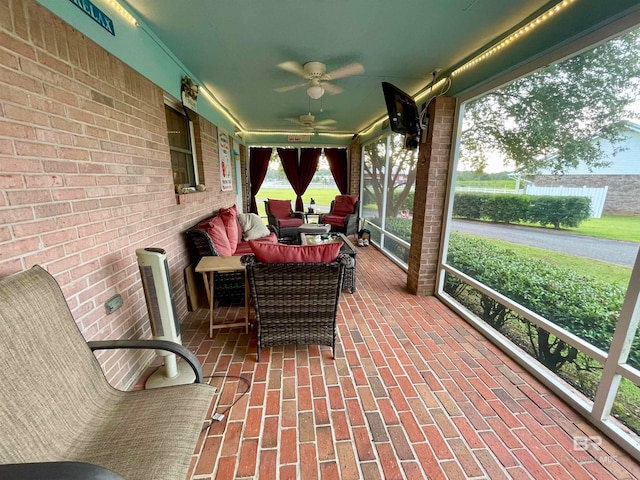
{"x": 414, "y": 392}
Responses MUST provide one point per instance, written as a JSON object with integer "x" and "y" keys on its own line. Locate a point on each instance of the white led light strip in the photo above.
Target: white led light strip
{"x": 505, "y": 42}
{"x": 123, "y": 12}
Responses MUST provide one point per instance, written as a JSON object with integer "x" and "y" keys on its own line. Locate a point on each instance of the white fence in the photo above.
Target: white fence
{"x": 597, "y": 195}
{"x": 488, "y": 190}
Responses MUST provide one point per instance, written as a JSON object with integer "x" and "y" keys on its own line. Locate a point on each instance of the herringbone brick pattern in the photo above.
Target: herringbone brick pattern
{"x": 414, "y": 392}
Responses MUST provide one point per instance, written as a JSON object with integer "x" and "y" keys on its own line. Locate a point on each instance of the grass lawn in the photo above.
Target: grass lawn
{"x": 615, "y": 227}
{"x": 602, "y": 271}
{"x": 322, "y": 196}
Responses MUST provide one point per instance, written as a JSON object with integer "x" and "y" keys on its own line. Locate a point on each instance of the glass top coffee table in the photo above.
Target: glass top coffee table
{"x": 347, "y": 247}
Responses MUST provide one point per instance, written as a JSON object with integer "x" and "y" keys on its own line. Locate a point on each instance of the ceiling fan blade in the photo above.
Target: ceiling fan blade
{"x": 290, "y": 87}
{"x": 294, "y": 120}
{"x": 293, "y": 67}
{"x": 327, "y": 121}
{"x": 330, "y": 88}
{"x": 347, "y": 70}
{"x": 324, "y": 127}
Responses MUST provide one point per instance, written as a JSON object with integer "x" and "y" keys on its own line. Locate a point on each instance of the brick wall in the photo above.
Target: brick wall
{"x": 622, "y": 194}
{"x": 430, "y": 197}
{"x": 85, "y": 175}
{"x": 355, "y": 166}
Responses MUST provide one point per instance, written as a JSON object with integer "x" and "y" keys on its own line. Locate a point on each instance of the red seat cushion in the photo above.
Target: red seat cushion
{"x": 280, "y": 253}
{"x": 344, "y": 205}
{"x": 279, "y": 208}
{"x": 335, "y": 220}
{"x": 289, "y": 222}
{"x": 271, "y": 238}
{"x": 244, "y": 248}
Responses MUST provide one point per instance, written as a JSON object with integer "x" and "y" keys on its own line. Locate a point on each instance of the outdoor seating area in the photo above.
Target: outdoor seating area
{"x": 375, "y": 258}
{"x": 413, "y": 392}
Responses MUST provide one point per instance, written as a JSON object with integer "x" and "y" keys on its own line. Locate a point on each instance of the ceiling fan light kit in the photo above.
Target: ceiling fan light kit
{"x": 315, "y": 71}
{"x": 318, "y": 78}
{"x": 315, "y": 91}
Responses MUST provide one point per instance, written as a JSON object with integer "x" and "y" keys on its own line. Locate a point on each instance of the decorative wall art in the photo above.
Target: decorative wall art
{"x": 189, "y": 93}
{"x": 224, "y": 158}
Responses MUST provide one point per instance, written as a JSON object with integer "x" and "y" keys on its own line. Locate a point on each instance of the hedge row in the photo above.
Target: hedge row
{"x": 583, "y": 306}
{"x": 510, "y": 208}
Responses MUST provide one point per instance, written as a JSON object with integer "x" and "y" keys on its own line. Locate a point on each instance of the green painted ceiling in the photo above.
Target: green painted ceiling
{"x": 234, "y": 47}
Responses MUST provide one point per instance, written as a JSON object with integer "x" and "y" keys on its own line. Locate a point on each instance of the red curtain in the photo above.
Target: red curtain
{"x": 337, "y": 158}
{"x": 309, "y": 158}
{"x": 258, "y": 165}
{"x": 290, "y": 165}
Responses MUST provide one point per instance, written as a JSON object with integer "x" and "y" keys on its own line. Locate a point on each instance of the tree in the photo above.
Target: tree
{"x": 557, "y": 116}
{"x": 402, "y": 174}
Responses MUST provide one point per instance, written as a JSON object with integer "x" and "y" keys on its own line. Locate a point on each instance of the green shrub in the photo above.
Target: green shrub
{"x": 469, "y": 205}
{"x": 400, "y": 227}
{"x": 583, "y": 306}
{"x": 559, "y": 211}
{"x": 506, "y": 208}
{"x": 511, "y": 208}
{"x": 408, "y": 202}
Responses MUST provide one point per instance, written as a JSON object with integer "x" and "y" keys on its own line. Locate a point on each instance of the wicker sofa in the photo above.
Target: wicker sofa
{"x": 202, "y": 237}
{"x": 61, "y": 418}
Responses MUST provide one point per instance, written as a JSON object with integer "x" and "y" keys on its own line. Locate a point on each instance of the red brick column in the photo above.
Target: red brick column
{"x": 355, "y": 166}
{"x": 431, "y": 189}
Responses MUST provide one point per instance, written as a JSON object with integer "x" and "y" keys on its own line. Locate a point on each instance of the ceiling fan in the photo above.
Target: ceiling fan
{"x": 308, "y": 123}
{"x": 318, "y": 78}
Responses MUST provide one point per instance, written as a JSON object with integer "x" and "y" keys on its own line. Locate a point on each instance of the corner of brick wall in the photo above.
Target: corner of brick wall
{"x": 430, "y": 197}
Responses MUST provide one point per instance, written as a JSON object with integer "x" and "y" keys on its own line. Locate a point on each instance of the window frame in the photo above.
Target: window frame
{"x": 179, "y": 108}
{"x": 598, "y": 411}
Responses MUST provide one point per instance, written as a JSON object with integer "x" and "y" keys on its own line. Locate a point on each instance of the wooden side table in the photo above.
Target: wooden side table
{"x": 208, "y": 266}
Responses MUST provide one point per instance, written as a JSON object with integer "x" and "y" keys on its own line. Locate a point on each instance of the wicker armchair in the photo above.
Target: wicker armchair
{"x": 296, "y": 303}
{"x": 284, "y": 223}
{"x": 340, "y": 220}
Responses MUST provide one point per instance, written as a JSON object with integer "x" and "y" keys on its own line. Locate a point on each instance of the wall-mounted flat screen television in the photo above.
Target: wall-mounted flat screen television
{"x": 403, "y": 113}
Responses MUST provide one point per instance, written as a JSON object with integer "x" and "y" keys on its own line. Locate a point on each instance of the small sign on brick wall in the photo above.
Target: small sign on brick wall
{"x": 96, "y": 15}
{"x": 224, "y": 157}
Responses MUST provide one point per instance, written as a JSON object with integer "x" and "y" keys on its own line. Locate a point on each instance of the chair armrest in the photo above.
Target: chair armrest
{"x": 201, "y": 242}
{"x": 172, "y": 347}
{"x": 299, "y": 215}
{"x": 56, "y": 471}
{"x": 350, "y": 218}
